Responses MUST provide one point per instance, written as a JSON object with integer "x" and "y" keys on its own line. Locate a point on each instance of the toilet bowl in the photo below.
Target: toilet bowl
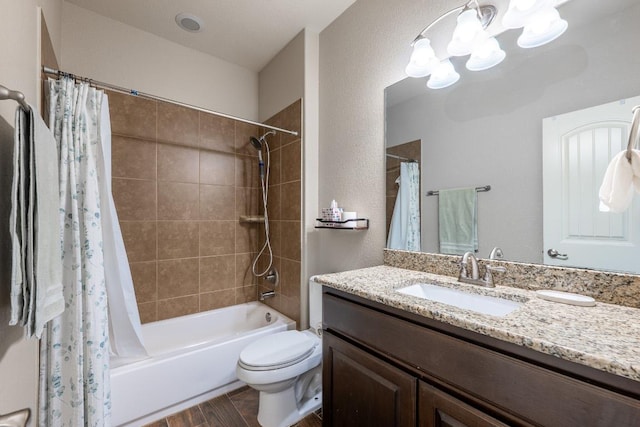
{"x": 286, "y": 369}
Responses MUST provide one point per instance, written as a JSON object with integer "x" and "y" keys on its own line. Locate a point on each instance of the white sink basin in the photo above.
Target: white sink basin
{"x": 466, "y": 300}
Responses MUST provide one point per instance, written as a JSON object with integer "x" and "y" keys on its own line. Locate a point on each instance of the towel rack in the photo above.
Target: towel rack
{"x": 15, "y": 95}
{"x": 633, "y": 135}
{"x": 478, "y": 189}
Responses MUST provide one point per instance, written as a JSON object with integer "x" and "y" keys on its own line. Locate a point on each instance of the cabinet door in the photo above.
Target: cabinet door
{"x": 362, "y": 390}
{"x": 439, "y": 409}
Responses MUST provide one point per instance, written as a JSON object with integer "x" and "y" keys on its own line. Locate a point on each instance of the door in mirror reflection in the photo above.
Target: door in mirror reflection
{"x": 577, "y": 148}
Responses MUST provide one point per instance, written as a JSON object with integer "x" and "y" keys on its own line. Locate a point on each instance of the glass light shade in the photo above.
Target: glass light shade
{"x": 423, "y": 59}
{"x": 520, "y": 12}
{"x": 485, "y": 56}
{"x": 443, "y": 76}
{"x": 544, "y": 27}
{"x": 467, "y": 34}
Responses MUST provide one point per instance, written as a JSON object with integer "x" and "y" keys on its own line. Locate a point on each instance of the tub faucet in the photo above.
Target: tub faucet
{"x": 475, "y": 279}
{"x": 267, "y": 294}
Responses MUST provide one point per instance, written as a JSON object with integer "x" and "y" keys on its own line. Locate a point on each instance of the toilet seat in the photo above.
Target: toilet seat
{"x": 277, "y": 351}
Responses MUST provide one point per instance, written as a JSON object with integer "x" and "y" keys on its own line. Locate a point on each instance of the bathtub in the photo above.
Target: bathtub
{"x": 192, "y": 359}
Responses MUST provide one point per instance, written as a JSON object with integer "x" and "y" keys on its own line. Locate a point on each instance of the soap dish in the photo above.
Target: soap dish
{"x": 566, "y": 298}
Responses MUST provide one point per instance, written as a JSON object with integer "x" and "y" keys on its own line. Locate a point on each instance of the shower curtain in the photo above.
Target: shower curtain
{"x": 74, "y": 350}
{"x": 404, "y": 232}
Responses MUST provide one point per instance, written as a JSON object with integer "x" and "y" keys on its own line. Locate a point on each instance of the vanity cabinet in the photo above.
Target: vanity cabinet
{"x": 386, "y": 367}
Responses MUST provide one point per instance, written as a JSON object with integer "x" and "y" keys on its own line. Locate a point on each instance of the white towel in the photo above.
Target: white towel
{"x": 36, "y": 278}
{"x": 620, "y": 179}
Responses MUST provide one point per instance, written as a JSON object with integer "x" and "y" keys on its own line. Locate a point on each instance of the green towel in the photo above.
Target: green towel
{"x": 458, "y": 220}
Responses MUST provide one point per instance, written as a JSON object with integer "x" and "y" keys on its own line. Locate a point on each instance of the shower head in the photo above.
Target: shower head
{"x": 257, "y": 143}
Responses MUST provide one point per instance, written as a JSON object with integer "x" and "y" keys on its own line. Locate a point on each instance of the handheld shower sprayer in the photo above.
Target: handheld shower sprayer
{"x": 268, "y": 273}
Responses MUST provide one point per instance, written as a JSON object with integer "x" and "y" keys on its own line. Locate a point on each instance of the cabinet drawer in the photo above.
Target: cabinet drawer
{"x": 525, "y": 390}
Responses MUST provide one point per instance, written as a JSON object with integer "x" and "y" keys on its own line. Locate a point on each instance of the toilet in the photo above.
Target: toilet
{"x": 286, "y": 369}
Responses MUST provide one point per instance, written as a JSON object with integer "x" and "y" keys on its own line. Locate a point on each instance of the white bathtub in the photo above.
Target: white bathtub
{"x": 192, "y": 359}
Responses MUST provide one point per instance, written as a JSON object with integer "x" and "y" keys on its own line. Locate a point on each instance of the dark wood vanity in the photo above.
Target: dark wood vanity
{"x": 383, "y": 366}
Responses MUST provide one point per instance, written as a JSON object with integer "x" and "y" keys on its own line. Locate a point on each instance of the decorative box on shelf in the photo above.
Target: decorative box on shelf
{"x": 347, "y": 224}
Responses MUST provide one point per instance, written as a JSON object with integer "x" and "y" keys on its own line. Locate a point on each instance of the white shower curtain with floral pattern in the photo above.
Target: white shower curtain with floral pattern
{"x": 74, "y": 351}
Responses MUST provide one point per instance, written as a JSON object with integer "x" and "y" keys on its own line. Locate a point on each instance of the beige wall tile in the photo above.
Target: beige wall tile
{"x": 275, "y": 167}
{"x": 290, "y": 162}
{"x": 178, "y": 125}
{"x": 175, "y": 307}
{"x": 132, "y": 116}
{"x": 290, "y": 278}
{"x": 133, "y": 158}
{"x": 217, "y": 237}
{"x": 148, "y": 311}
{"x": 292, "y": 120}
{"x": 246, "y": 294}
{"x": 290, "y": 235}
{"x": 217, "y": 168}
{"x": 135, "y": 199}
{"x": 177, "y": 277}
{"x": 247, "y": 172}
{"x": 145, "y": 281}
{"x": 177, "y": 201}
{"x": 290, "y": 204}
{"x": 140, "y": 240}
{"x": 219, "y": 299}
{"x": 248, "y": 201}
{"x": 217, "y": 133}
{"x": 178, "y": 239}
{"x": 275, "y": 234}
{"x": 217, "y": 273}
{"x": 217, "y": 202}
{"x": 248, "y": 239}
{"x": 274, "y": 202}
{"x": 244, "y": 277}
{"x": 178, "y": 164}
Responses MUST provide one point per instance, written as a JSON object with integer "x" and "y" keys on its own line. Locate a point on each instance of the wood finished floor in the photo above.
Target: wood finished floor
{"x": 238, "y": 408}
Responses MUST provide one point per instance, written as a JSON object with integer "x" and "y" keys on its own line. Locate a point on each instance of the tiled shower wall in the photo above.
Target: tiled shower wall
{"x": 181, "y": 180}
{"x": 284, "y": 209}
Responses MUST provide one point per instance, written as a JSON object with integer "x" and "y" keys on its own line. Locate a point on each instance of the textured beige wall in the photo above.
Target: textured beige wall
{"x": 109, "y": 51}
{"x": 18, "y": 70}
{"x": 362, "y": 52}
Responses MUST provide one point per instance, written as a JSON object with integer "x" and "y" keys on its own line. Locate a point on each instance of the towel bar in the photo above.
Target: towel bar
{"x": 478, "y": 189}
{"x": 633, "y": 135}
{"x": 15, "y": 95}
{"x": 15, "y": 419}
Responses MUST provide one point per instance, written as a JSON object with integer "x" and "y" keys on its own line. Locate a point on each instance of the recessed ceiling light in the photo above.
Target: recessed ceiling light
{"x": 189, "y": 22}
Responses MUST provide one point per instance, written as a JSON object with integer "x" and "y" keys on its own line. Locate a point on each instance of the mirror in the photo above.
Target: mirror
{"x": 487, "y": 128}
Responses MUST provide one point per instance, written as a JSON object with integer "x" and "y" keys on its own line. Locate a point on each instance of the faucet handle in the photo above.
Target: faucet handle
{"x": 488, "y": 277}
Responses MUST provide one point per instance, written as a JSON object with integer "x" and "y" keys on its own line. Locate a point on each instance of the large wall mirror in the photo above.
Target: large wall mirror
{"x": 487, "y": 129}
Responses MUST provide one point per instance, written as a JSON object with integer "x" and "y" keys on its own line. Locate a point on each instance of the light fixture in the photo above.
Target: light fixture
{"x": 540, "y": 19}
{"x": 189, "y": 22}
{"x": 444, "y": 75}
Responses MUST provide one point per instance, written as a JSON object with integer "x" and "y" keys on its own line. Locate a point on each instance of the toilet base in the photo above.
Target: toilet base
{"x": 280, "y": 409}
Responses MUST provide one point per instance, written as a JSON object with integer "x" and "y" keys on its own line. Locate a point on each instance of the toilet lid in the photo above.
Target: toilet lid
{"x": 277, "y": 350}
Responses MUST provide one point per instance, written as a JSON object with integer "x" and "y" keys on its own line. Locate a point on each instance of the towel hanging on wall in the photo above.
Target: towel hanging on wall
{"x": 458, "y": 220}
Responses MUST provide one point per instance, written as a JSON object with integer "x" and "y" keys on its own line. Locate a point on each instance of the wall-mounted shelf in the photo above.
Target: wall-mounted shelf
{"x": 348, "y": 224}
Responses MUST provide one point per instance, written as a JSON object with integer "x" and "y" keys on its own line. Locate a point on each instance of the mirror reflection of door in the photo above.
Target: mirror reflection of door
{"x": 577, "y": 148}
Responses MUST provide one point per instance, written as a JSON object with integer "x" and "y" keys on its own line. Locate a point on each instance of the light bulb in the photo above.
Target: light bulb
{"x": 423, "y": 59}
{"x": 520, "y": 12}
{"x": 544, "y": 27}
{"x": 487, "y": 55}
{"x": 467, "y": 34}
{"x": 523, "y": 5}
{"x": 443, "y": 75}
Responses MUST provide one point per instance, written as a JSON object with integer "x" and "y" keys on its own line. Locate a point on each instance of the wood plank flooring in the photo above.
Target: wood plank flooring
{"x": 238, "y": 408}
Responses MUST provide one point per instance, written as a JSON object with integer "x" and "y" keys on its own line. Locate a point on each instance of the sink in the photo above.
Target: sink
{"x": 469, "y": 301}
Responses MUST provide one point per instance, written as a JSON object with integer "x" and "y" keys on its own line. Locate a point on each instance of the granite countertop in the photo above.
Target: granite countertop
{"x": 605, "y": 336}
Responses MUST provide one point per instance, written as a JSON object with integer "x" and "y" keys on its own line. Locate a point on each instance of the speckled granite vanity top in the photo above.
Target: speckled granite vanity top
{"x": 605, "y": 337}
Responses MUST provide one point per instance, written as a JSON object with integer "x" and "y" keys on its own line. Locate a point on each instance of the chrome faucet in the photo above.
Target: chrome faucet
{"x": 475, "y": 279}
{"x": 267, "y": 294}
{"x": 496, "y": 253}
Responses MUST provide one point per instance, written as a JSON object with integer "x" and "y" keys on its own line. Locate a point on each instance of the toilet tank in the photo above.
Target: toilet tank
{"x": 315, "y": 305}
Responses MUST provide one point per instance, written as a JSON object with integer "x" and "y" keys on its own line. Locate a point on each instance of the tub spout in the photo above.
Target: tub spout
{"x": 267, "y": 294}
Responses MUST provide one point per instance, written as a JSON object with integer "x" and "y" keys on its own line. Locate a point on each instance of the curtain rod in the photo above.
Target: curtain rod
{"x": 406, "y": 159}
{"x": 134, "y": 92}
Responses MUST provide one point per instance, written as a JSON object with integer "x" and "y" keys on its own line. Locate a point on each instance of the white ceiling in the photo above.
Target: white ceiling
{"x": 248, "y": 33}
